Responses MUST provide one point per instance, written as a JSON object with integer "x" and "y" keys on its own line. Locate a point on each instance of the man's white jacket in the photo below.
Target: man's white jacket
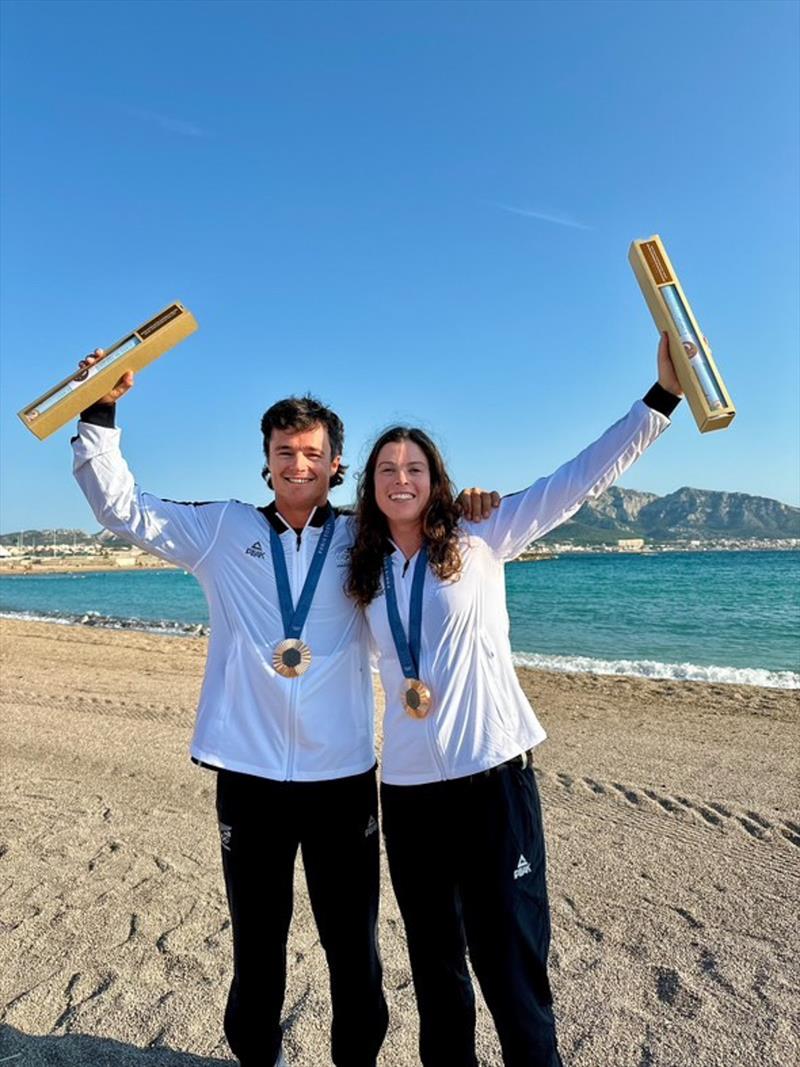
{"x": 250, "y": 719}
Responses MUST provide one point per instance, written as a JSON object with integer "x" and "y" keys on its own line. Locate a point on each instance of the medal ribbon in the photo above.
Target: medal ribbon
{"x": 294, "y": 619}
{"x": 407, "y": 647}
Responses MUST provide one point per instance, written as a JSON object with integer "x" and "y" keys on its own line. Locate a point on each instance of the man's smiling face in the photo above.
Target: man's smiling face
{"x": 301, "y": 467}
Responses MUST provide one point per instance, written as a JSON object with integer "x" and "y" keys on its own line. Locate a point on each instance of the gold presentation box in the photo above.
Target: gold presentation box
{"x": 77, "y": 392}
{"x": 697, "y": 372}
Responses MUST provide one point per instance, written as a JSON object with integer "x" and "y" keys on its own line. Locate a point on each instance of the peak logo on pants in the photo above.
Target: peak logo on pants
{"x": 522, "y": 868}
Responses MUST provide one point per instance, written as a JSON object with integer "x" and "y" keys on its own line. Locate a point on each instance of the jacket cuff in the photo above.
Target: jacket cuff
{"x": 100, "y": 415}
{"x": 661, "y": 400}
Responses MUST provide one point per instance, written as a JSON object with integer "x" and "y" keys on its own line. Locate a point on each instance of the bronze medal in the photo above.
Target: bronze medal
{"x": 291, "y": 657}
{"x": 417, "y": 699}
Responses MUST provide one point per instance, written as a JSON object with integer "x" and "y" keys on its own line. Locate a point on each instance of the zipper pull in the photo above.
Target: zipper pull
{"x": 405, "y": 567}
{"x": 298, "y": 542}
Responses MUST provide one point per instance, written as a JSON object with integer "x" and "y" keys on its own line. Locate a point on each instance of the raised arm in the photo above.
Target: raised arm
{"x": 177, "y": 532}
{"x": 526, "y": 516}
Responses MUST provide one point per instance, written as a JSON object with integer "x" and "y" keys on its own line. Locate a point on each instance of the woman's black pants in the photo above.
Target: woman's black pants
{"x": 334, "y": 823}
{"x": 467, "y": 862}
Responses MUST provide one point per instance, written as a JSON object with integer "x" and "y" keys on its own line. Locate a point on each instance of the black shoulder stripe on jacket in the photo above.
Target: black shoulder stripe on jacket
{"x": 192, "y": 503}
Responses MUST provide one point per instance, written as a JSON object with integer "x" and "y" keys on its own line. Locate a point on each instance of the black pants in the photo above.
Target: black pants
{"x": 334, "y": 823}
{"x": 468, "y": 867}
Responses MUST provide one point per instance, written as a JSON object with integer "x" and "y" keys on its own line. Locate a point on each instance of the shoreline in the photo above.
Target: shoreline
{"x": 10, "y": 567}
{"x": 778, "y": 680}
{"x": 30, "y": 569}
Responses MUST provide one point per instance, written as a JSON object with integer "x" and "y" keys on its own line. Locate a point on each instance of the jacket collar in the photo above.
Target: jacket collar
{"x": 317, "y": 518}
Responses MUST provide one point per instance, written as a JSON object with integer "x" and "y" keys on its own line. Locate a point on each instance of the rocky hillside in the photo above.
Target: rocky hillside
{"x": 686, "y": 514}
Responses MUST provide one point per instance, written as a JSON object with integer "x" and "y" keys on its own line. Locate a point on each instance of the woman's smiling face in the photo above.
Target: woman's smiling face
{"x": 402, "y": 482}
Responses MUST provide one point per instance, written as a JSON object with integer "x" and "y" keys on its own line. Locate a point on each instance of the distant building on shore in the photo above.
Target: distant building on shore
{"x": 630, "y": 544}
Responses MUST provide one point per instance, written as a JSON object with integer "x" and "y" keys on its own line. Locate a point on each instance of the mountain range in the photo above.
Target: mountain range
{"x": 686, "y": 514}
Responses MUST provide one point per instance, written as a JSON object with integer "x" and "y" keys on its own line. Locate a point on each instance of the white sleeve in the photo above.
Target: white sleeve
{"x": 526, "y": 516}
{"x": 178, "y": 533}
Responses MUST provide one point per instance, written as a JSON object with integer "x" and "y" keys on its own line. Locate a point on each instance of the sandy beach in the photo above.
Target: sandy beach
{"x": 673, "y": 831}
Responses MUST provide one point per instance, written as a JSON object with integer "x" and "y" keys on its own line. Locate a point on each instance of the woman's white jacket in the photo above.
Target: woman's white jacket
{"x": 480, "y": 716}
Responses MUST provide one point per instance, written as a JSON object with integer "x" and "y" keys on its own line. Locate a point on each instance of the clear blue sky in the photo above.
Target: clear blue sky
{"x": 418, "y": 211}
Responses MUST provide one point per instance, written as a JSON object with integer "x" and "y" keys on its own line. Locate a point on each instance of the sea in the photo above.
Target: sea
{"x": 723, "y": 617}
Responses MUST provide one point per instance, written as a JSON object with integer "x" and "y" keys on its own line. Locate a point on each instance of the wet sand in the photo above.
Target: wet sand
{"x": 671, "y": 813}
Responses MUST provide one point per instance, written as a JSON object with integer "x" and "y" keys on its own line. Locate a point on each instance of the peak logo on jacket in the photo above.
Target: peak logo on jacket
{"x": 256, "y": 550}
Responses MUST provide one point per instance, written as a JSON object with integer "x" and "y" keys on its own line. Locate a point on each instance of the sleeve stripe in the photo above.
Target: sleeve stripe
{"x": 214, "y": 538}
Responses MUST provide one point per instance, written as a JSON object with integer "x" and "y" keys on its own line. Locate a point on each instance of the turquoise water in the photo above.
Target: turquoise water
{"x": 721, "y": 616}
{"x": 172, "y": 600}
{"x": 737, "y": 611}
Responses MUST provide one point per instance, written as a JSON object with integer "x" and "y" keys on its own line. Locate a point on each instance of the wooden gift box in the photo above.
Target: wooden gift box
{"x": 77, "y": 392}
{"x": 697, "y": 372}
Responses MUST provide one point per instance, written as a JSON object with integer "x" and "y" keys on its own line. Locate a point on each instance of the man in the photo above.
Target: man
{"x": 285, "y": 714}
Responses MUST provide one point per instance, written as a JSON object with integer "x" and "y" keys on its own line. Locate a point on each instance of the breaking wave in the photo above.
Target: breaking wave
{"x": 647, "y": 668}
{"x": 170, "y": 627}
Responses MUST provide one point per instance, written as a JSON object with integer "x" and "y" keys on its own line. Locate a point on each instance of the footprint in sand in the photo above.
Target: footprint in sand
{"x": 671, "y": 991}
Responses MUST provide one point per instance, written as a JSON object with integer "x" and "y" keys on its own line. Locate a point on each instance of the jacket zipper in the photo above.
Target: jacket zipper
{"x": 438, "y": 755}
{"x": 295, "y": 682}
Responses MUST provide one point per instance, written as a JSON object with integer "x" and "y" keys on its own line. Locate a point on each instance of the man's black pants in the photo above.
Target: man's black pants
{"x": 468, "y": 867}
{"x": 334, "y": 823}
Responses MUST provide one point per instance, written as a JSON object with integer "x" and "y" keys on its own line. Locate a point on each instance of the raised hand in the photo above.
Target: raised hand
{"x": 667, "y": 378}
{"x": 477, "y": 504}
{"x": 120, "y": 389}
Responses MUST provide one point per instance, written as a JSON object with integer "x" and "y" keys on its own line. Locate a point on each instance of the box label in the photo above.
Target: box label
{"x": 655, "y": 262}
{"x": 160, "y": 321}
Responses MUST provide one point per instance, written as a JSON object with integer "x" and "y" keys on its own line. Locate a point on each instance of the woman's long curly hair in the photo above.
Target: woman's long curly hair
{"x": 439, "y": 522}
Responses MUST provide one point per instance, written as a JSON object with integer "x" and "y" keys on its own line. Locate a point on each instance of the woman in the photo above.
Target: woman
{"x": 461, "y": 813}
